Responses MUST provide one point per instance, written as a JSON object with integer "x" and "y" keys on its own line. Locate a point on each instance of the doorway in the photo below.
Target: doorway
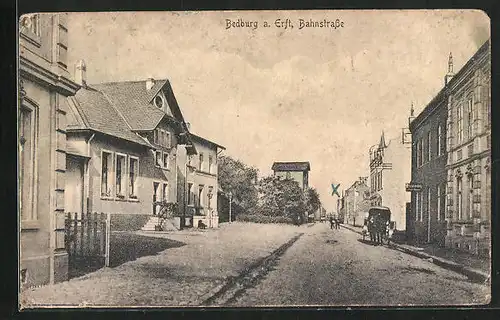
{"x": 74, "y": 187}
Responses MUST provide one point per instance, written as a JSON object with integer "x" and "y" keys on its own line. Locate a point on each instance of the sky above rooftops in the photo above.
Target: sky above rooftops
{"x": 269, "y": 94}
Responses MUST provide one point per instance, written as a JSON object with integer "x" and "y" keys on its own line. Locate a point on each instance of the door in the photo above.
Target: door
{"x": 409, "y": 222}
{"x": 74, "y": 187}
{"x": 156, "y": 197}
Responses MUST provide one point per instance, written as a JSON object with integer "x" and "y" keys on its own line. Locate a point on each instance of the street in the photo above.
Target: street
{"x": 334, "y": 267}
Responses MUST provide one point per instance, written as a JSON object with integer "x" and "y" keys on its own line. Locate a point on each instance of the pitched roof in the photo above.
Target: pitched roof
{"x": 97, "y": 114}
{"x": 199, "y": 138}
{"x": 132, "y": 101}
{"x": 291, "y": 166}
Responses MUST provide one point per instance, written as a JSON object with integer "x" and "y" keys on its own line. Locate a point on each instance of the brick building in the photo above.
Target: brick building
{"x": 426, "y": 218}
{"x": 468, "y": 146}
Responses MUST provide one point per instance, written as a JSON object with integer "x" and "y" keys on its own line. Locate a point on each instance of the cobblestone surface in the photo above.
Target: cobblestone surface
{"x": 182, "y": 276}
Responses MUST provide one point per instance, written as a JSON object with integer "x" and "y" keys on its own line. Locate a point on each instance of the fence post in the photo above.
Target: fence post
{"x": 75, "y": 234}
{"x": 89, "y": 231}
{"x": 103, "y": 234}
{"x": 82, "y": 231}
{"x": 95, "y": 239}
{"x": 108, "y": 229}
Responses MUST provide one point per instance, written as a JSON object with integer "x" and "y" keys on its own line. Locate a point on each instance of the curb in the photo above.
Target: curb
{"x": 473, "y": 274}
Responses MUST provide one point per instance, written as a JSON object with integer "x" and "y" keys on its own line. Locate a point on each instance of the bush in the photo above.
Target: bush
{"x": 259, "y": 218}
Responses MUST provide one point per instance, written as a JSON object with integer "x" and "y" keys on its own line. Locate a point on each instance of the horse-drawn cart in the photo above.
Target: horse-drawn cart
{"x": 378, "y": 225}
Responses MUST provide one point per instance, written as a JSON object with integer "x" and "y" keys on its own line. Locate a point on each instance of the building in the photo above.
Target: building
{"x": 389, "y": 172}
{"x": 131, "y": 150}
{"x": 198, "y": 183}
{"x": 122, "y": 141}
{"x": 298, "y": 171}
{"x": 44, "y": 84}
{"x": 426, "y": 217}
{"x": 356, "y": 202}
{"x": 468, "y": 193}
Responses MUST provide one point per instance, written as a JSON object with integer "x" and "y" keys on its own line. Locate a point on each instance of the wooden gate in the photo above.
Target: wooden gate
{"x": 85, "y": 240}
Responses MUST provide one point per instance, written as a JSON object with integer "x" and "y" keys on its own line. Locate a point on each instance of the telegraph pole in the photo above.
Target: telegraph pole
{"x": 230, "y": 204}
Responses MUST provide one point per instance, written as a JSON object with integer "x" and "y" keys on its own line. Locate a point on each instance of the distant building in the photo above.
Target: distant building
{"x": 356, "y": 202}
{"x": 298, "y": 171}
{"x": 45, "y": 82}
{"x": 389, "y": 172}
{"x": 468, "y": 191}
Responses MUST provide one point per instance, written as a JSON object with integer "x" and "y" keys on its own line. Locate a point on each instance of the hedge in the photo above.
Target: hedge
{"x": 259, "y": 218}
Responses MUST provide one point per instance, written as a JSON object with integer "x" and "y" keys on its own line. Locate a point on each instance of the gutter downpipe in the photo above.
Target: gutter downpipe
{"x": 87, "y": 174}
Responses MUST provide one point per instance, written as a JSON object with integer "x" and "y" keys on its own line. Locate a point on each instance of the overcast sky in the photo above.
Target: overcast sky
{"x": 321, "y": 95}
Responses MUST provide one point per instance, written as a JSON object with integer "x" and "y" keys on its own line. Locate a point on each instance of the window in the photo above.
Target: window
{"x": 167, "y": 139}
{"x": 120, "y": 174}
{"x": 439, "y": 140}
{"x": 210, "y": 159}
{"x": 381, "y": 186}
{"x": 419, "y": 153}
{"x": 210, "y": 195}
{"x": 31, "y": 23}
{"x": 155, "y": 136}
{"x": 429, "y": 202}
{"x": 200, "y": 164}
{"x": 161, "y": 137}
{"x": 165, "y": 192}
{"x": 459, "y": 198}
{"x": 189, "y": 160}
{"x": 158, "y": 158}
{"x": 200, "y": 196}
{"x": 190, "y": 194}
{"x": 165, "y": 160}
{"x": 470, "y": 197}
{"x": 460, "y": 124}
{"x": 133, "y": 171}
{"x": 429, "y": 148}
{"x": 27, "y": 146}
{"x": 158, "y": 101}
{"x": 106, "y": 164}
{"x": 439, "y": 199}
{"x": 470, "y": 118}
{"x": 417, "y": 206}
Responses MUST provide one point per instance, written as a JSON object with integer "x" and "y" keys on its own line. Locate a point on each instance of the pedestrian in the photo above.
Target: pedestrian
{"x": 331, "y": 222}
{"x": 337, "y": 223}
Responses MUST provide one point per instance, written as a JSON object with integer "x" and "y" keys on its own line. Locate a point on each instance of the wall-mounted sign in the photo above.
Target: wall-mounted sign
{"x": 410, "y": 187}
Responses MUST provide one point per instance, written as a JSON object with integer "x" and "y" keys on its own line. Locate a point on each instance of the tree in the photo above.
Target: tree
{"x": 281, "y": 197}
{"x": 313, "y": 202}
{"x": 239, "y": 179}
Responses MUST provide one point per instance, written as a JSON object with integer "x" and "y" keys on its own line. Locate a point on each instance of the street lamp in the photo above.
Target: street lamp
{"x": 230, "y": 204}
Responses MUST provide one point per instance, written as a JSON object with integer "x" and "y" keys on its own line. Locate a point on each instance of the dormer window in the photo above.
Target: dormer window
{"x": 158, "y": 102}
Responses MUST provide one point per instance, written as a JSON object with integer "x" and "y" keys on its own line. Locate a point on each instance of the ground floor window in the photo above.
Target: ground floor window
{"x": 459, "y": 199}
{"x": 27, "y": 137}
{"x": 106, "y": 167}
{"x": 190, "y": 195}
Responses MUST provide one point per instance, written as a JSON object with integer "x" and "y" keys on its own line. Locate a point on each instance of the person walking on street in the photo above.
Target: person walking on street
{"x": 331, "y": 222}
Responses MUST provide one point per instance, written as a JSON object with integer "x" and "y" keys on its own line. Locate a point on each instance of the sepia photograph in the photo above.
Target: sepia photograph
{"x": 265, "y": 158}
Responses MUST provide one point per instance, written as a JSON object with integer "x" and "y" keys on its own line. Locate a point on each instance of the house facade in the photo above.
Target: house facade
{"x": 131, "y": 151}
{"x": 198, "y": 188}
{"x": 426, "y": 218}
{"x": 122, "y": 141}
{"x": 298, "y": 171}
{"x": 389, "y": 172}
{"x": 44, "y": 84}
{"x": 356, "y": 202}
{"x": 468, "y": 166}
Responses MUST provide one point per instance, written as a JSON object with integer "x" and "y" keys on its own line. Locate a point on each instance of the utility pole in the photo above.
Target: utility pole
{"x": 230, "y": 204}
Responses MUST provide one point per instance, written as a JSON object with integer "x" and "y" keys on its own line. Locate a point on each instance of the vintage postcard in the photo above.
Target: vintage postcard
{"x": 254, "y": 158}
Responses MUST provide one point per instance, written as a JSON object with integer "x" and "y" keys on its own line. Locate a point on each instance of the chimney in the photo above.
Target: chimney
{"x": 81, "y": 73}
{"x": 150, "y": 82}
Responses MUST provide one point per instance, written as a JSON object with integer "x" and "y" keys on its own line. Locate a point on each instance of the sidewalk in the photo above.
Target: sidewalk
{"x": 474, "y": 267}
{"x": 181, "y": 276}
